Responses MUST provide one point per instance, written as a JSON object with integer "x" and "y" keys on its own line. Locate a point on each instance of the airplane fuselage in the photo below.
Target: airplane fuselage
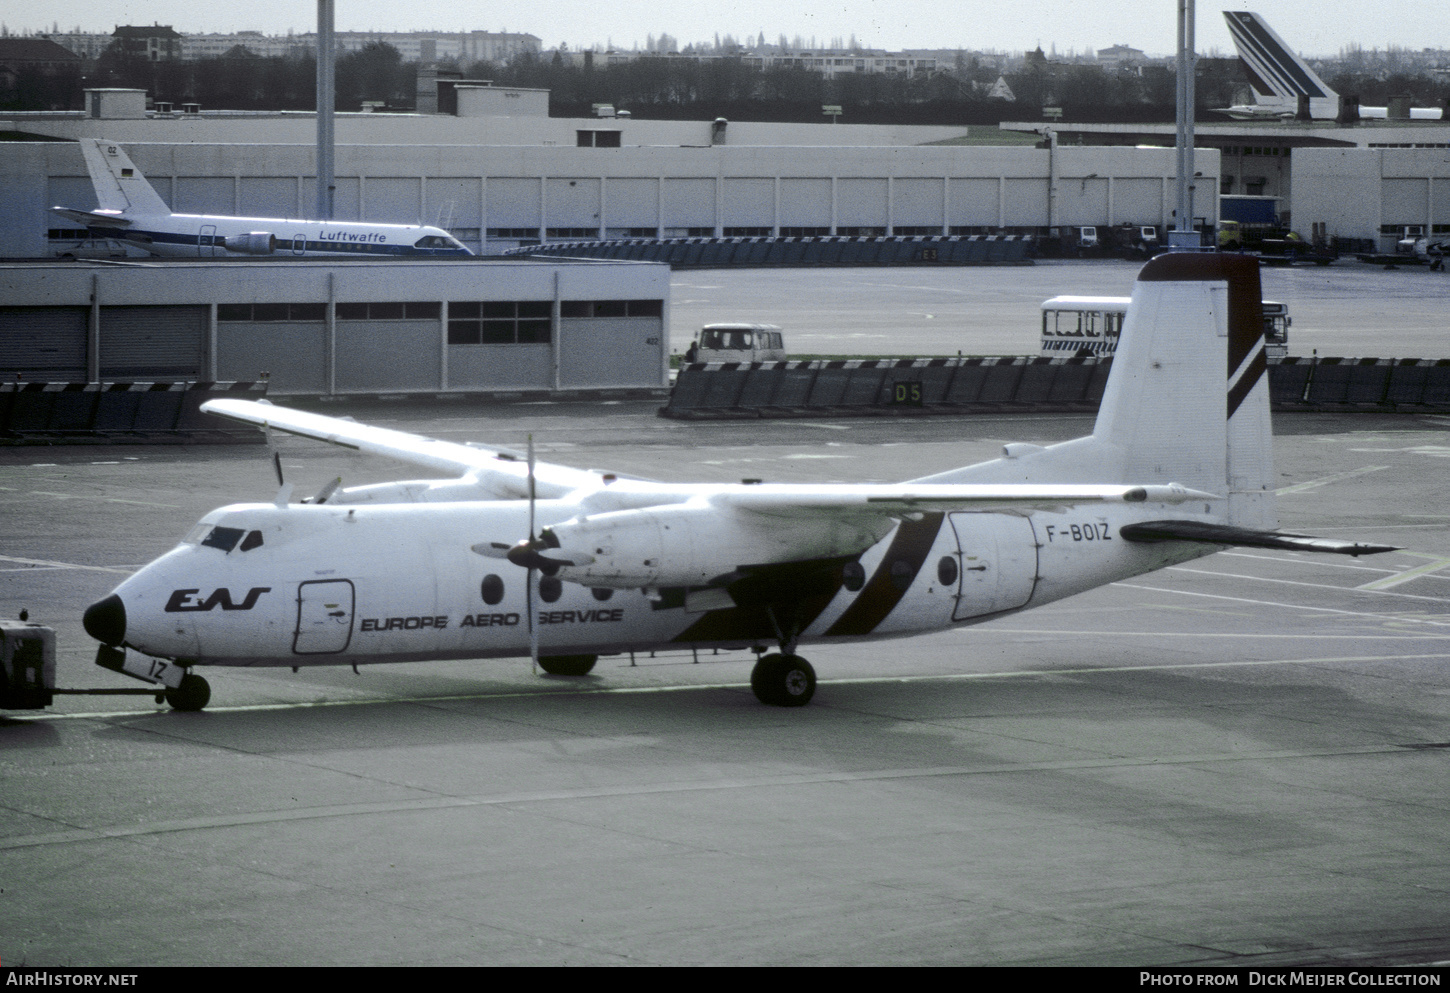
{"x": 258, "y": 584}
{"x": 216, "y": 236}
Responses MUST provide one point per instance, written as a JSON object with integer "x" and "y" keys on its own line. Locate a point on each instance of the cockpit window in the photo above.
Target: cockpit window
{"x": 437, "y": 241}
{"x": 251, "y": 541}
{"x": 224, "y": 538}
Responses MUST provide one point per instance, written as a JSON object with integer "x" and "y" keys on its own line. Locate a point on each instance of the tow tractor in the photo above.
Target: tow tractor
{"x": 27, "y": 672}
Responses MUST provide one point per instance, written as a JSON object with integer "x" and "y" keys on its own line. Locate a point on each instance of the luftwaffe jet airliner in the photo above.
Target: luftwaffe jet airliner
{"x": 501, "y": 557}
{"x": 133, "y": 213}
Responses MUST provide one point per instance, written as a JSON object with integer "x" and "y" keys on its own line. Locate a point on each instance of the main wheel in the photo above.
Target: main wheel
{"x": 193, "y": 694}
{"x": 567, "y": 665}
{"x": 783, "y": 681}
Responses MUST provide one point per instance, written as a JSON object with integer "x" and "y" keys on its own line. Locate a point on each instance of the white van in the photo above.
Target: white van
{"x": 739, "y": 343}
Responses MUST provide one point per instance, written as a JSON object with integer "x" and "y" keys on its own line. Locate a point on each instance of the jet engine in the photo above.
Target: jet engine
{"x": 253, "y": 243}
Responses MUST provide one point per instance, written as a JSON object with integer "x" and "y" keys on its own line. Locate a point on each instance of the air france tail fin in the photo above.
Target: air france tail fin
{"x": 1279, "y": 78}
{"x": 119, "y": 184}
{"x": 1187, "y": 400}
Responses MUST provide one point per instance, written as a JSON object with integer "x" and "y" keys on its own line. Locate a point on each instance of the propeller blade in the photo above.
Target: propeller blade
{"x": 533, "y": 628}
{"x": 325, "y": 494}
{"x": 491, "y": 549}
{"x": 531, "y": 488}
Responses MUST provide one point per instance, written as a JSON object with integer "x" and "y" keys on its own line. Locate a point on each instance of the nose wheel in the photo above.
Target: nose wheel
{"x": 783, "y": 680}
{"x": 193, "y": 694}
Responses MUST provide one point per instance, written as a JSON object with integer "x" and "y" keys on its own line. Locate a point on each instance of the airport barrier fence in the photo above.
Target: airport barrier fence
{"x": 1046, "y": 384}
{"x": 844, "y": 250}
{"x": 107, "y": 413}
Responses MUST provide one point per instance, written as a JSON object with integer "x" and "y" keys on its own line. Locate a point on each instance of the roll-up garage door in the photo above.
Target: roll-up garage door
{"x": 43, "y": 343}
{"x": 152, "y": 342}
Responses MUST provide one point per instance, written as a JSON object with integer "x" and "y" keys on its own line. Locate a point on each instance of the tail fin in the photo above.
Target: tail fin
{"x": 1279, "y": 78}
{"x": 1165, "y": 410}
{"x": 119, "y": 184}
{"x": 1187, "y": 400}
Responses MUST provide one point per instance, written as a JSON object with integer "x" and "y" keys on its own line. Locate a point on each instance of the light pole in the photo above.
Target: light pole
{"x": 1183, "y": 236}
{"x": 326, "y": 99}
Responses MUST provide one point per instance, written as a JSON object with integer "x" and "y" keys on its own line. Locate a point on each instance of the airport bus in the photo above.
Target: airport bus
{"x": 1078, "y": 325}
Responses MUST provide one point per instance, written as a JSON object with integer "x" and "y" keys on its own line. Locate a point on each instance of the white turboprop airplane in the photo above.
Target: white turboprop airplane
{"x": 133, "y": 213}
{"x": 1279, "y": 78}
{"x": 506, "y": 559}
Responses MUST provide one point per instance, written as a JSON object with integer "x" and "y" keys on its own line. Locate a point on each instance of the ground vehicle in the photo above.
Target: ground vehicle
{"x": 1081, "y": 325}
{"x": 739, "y": 343}
{"x": 1244, "y": 221}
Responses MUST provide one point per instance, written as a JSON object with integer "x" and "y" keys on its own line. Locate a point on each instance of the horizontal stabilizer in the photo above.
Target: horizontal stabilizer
{"x": 93, "y": 218}
{"x": 1224, "y": 534}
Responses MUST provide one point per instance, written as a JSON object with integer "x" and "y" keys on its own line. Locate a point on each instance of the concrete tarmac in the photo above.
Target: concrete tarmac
{"x": 1244, "y": 760}
{"x": 1346, "y": 309}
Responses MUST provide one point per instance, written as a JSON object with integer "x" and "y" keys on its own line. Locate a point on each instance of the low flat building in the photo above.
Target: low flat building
{"x": 336, "y": 327}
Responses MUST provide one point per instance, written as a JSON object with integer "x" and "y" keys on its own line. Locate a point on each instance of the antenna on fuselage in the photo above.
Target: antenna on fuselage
{"x": 284, "y": 488}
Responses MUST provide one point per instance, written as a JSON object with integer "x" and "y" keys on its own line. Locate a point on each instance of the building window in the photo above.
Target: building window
{"x": 574, "y": 234}
{"x": 804, "y": 232}
{"x": 268, "y": 312}
{"x": 597, "y": 139}
{"x": 611, "y": 308}
{"x": 530, "y": 234}
{"x": 500, "y": 322}
{"x": 746, "y": 232}
{"x": 390, "y": 311}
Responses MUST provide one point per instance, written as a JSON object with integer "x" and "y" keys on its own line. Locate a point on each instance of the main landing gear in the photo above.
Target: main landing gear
{"x": 782, "y": 680}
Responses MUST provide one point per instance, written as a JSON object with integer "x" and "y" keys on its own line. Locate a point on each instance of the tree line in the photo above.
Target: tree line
{"x": 683, "y": 88}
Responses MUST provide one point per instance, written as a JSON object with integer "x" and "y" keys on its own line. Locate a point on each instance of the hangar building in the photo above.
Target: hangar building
{"x": 498, "y": 173}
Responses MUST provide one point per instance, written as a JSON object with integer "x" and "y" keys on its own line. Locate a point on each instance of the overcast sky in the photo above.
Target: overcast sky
{"x": 1313, "y": 27}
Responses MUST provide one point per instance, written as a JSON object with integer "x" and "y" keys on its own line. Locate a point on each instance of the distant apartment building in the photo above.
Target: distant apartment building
{"x": 159, "y": 43}
{"x": 434, "y": 46}
{"x": 209, "y": 46}
{"x": 1121, "y": 57}
{"x": 828, "y": 62}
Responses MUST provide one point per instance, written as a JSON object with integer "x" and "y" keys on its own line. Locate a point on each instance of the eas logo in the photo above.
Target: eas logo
{"x": 181, "y": 600}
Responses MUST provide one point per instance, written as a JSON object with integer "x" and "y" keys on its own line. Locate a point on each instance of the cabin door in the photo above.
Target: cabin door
{"x": 324, "y": 617}
{"x": 206, "y": 240}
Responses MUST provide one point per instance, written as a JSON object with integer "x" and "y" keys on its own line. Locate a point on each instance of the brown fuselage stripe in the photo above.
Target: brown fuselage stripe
{"x": 1257, "y": 367}
{"x": 880, "y": 595}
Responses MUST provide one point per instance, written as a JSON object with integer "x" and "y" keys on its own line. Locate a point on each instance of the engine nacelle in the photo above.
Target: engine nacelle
{"x": 698, "y": 544}
{"x": 253, "y": 243}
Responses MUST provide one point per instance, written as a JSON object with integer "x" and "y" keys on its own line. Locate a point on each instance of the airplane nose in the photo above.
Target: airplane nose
{"x": 105, "y": 620}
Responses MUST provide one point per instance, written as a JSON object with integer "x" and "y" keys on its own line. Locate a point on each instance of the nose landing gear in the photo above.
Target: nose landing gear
{"x": 193, "y": 694}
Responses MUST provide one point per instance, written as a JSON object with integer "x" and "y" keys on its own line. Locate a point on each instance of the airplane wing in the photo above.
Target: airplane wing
{"x": 93, "y": 218}
{"x": 502, "y": 472}
{"x": 1224, "y": 534}
{"x": 787, "y": 500}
